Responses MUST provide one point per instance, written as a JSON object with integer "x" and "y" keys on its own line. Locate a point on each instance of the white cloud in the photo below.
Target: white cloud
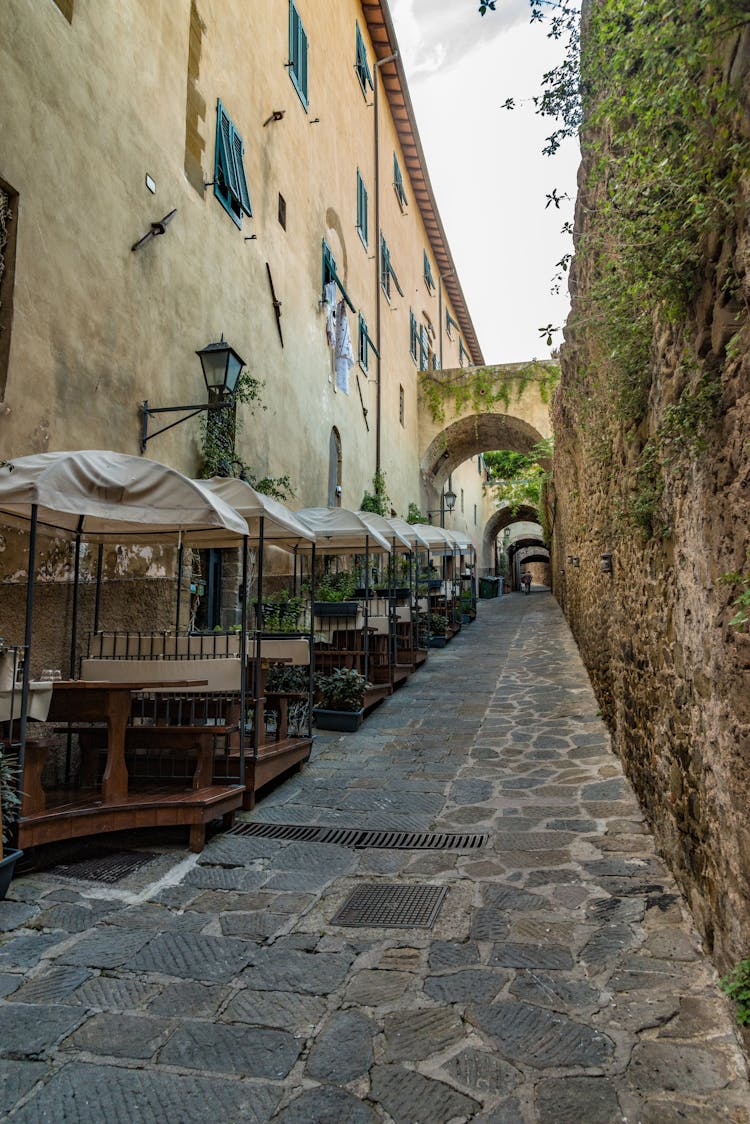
{"x": 485, "y": 163}
{"x": 437, "y": 36}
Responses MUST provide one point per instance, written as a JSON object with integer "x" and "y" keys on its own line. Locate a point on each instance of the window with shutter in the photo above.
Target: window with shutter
{"x": 450, "y": 323}
{"x": 424, "y": 349}
{"x": 362, "y": 225}
{"x": 361, "y": 65}
{"x": 398, "y": 183}
{"x": 230, "y": 182}
{"x": 387, "y": 272}
{"x": 427, "y": 271}
{"x": 298, "y": 53}
{"x": 463, "y": 354}
{"x": 413, "y": 335}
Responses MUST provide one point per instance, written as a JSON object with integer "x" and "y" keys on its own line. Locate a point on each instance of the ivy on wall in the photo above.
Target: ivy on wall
{"x": 484, "y": 388}
{"x": 219, "y": 431}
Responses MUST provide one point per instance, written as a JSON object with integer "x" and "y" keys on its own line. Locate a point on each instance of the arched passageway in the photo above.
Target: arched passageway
{"x": 464, "y": 438}
{"x": 530, "y": 554}
{"x": 504, "y": 517}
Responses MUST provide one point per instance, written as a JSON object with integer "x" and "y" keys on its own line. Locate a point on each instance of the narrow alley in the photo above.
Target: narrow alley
{"x": 561, "y": 980}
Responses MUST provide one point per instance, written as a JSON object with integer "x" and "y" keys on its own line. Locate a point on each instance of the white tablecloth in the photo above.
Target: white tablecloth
{"x": 40, "y": 696}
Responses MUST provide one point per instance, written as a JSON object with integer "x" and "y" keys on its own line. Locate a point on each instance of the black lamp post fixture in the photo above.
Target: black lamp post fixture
{"x": 447, "y": 503}
{"x": 221, "y": 367}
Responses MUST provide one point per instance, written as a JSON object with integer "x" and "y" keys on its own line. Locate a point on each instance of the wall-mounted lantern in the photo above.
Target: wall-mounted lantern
{"x": 574, "y": 560}
{"x": 221, "y": 366}
{"x": 606, "y": 564}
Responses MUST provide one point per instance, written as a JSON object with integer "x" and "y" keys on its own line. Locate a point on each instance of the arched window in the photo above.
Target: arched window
{"x": 334, "y": 469}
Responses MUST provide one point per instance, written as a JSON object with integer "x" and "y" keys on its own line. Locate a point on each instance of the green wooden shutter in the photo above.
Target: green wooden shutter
{"x": 230, "y": 182}
{"x": 362, "y": 348}
{"x": 362, "y": 217}
{"x": 412, "y": 335}
{"x": 361, "y": 65}
{"x": 297, "y": 53}
{"x": 238, "y": 151}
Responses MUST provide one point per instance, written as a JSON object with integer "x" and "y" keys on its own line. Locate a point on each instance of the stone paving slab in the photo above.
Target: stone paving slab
{"x": 562, "y": 981}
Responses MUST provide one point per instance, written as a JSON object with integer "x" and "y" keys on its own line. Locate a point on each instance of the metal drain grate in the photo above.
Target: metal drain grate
{"x": 106, "y": 866}
{"x": 391, "y": 907}
{"x": 361, "y": 838}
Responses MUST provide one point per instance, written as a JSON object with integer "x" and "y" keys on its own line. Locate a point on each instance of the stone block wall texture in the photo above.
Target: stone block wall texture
{"x": 671, "y": 673}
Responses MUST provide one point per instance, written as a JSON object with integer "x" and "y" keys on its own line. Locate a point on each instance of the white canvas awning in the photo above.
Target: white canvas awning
{"x": 112, "y": 497}
{"x": 408, "y": 531}
{"x": 339, "y": 531}
{"x": 281, "y": 527}
{"x": 385, "y": 528}
{"x": 461, "y": 539}
{"x": 437, "y": 539}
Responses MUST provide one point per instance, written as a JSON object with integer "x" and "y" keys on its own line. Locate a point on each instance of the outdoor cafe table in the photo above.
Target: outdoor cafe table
{"x": 80, "y": 700}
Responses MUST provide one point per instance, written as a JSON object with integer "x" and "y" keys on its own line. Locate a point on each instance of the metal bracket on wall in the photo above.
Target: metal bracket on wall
{"x": 362, "y": 403}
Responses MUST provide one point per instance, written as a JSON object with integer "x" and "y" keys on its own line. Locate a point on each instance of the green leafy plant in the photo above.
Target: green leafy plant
{"x": 219, "y": 431}
{"x": 336, "y": 586}
{"x": 343, "y": 689}
{"x": 737, "y": 986}
{"x": 484, "y": 388}
{"x": 438, "y": 624}
{"x": 10, "y": 801}
{"x": 414, "y": 515}
{"x": 281, "y": 612}
{"x": 377, "y": 501}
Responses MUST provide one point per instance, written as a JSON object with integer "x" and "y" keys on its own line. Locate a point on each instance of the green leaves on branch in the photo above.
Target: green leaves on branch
{"x": 485, "y": 388}
{"x": 517, "y": 479}
{"x": 377, "y": 501}
{"x": 219, "y": 432}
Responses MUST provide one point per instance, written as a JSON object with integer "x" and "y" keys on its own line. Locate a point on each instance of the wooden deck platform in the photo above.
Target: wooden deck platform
{"x": 72, "y": 813}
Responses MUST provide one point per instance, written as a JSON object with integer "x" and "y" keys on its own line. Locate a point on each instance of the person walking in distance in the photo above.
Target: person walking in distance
{"x": 526, "y": 581}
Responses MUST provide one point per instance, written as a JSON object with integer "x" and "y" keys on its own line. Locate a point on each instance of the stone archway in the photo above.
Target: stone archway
{"x": 468, "y": 410}
{"x": 475, "y": 433}
{"x": 505, "y": 516}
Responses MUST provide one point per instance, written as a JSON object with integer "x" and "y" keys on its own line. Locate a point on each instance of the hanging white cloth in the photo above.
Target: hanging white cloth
{"x": 344, "y": 352}
{"x": 330, "y": 311}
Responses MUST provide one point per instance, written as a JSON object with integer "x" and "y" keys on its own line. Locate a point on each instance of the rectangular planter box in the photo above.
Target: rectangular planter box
{"x": 437, "y": 641}
{"x": 344, "y": 721}
{"x": 336, "y": 608}
{"x": 7, "y": 864}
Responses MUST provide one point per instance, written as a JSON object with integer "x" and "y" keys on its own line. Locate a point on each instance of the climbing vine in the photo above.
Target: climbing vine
{"x": 219, "y": 431}
{"x": 377, "y": 501}
{"x": 484, "y": 388}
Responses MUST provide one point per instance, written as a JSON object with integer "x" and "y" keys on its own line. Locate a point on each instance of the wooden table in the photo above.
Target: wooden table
{"x": 79, "y": 700}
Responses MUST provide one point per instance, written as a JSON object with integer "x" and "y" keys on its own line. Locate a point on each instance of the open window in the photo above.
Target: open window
{"x": 230, "y": 182}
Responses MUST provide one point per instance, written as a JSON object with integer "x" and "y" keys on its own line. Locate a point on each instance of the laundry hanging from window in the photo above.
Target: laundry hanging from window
{"x": 344, "y": 354}
{"x": 330, "y": 311}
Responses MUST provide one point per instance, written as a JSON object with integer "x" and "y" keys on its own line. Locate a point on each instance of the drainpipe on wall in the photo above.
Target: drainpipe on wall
{"x": 376, "y": 68}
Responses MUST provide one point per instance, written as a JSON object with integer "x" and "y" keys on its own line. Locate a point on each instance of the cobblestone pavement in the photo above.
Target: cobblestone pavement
{"x": 562, "y": 981}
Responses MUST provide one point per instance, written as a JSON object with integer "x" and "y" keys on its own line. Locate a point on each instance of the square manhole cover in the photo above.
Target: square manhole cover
{"x": 104, "y": 865}
{"x": 392, "y": 907}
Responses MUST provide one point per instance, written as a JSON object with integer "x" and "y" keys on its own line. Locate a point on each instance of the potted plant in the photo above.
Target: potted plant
{"x": 334, "y": 595}
{"x": 438, "y": 624}
{"x": 281, "y": 613}
{"x": 342, "y": 700}
{"x": 9, "y": 804}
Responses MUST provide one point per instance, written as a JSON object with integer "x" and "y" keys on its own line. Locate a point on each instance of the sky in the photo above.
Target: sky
{"x": 486, "y": 164}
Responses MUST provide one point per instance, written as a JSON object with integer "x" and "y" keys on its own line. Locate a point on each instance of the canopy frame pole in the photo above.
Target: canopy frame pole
{"x": 31, "y": 573}
{"x": 243, "y": 657}
{"x": 311, "y": 681}
{"x": 73, "y": 641}
{"x": 98, "y": 595}
{"x": 259, "y": 710}
{"x": 180, "y": 554}
{"x": 367, "y": 607}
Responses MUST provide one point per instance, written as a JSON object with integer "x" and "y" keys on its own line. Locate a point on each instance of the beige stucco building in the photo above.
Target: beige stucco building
{"x": 280, "y": 138}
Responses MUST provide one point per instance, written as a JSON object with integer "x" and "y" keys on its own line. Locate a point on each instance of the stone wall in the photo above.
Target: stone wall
{"x": 671, "y": 673}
